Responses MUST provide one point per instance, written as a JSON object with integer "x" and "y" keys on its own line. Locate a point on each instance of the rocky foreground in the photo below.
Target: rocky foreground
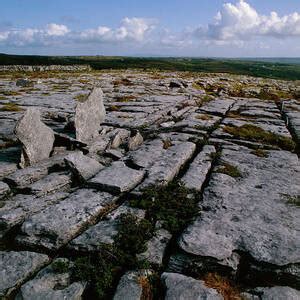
{"x": 168, "y": 186}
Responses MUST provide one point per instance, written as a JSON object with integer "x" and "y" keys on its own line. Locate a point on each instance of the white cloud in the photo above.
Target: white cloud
{"x": 237, "y": 25}
{"x": 242, "y": 22}
{"x": 131, "y": 29}
{"x": 57, "y": 30}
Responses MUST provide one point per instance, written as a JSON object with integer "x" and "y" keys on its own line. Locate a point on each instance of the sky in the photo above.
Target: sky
{"x": 211, "y": 28}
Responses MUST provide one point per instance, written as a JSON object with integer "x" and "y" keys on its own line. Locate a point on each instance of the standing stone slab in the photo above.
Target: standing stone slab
{"x": 83, "y": 167}
{"x": 16, "y": 267}
{"x": 58, "y": 224}
{"x": 89, "y": 115}
{"x": 44, "y": 286}
{"x": 253, "y": 213}
{"x": 117, "y": 178}
{"x": 182, "y": 287}
{"x": 199, "y": 168}
{"x": 37, "y": 138}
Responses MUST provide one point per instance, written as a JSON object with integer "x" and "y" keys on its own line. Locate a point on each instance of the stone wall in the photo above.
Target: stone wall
{"x": 71, "y": 68}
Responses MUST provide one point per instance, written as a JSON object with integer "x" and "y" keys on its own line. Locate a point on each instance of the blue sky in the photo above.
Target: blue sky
{"x": 165, "y": 27}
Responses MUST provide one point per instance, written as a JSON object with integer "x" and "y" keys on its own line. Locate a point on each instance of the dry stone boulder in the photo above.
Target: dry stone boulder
{"x": 37, "y": 138}
{"x": 89, "y": 115}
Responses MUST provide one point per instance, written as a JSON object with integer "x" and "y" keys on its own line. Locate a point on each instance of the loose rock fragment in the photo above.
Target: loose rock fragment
{"x": 89, "y": 115}
{"x": 16, "y": 267}
{"x": 135, "y": 141}
{"x": 83, "y": 167}
{"x": 117, "y": 178}
{"x": 37, "y": 138}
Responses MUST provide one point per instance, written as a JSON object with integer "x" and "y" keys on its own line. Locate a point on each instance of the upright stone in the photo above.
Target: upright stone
{"x": 37, "y": 138}
{"x": 89, "y": 115}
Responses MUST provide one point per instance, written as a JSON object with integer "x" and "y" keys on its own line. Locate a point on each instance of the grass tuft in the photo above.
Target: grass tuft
{"x": 230, "y": 170}
{"x": 257, "y": 134}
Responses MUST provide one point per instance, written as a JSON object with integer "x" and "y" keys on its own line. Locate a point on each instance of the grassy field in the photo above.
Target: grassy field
{"x": 277, "y": 69}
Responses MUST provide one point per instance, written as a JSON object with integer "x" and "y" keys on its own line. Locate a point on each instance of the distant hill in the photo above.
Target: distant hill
{"x": 277, "y": 68}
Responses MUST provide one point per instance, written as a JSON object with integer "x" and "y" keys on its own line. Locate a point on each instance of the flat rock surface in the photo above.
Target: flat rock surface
{"x": 117, "y": 178}
{"x": 251, "y": 213}
{"x": 58, "y": 224}
{"x": 49, "y": 284}
{"x": 182, "y": 287}
{"x": 143, "y": 129}
{"x": 16, "y": 267}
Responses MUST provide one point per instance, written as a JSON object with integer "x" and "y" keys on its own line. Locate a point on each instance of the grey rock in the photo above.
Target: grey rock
{"x": 6, "y": 168}
{"x": 24, "y": 177}
{"x": 4, "y": 190}
{"x": 146, "y": 155}
{"x": 51, "y": 184}
{"x": 83, "y": 167}
{"x": 129, "y": 287}
{"x": 49, "y": 284}
{"x": 166, "y": 167}
{"x": 16, "y": 267}
{"x": 119, "y": 137}
{"x": 278, "y": 293}
{"x": 156, "y": 247}
{"x": 89, "y": 115}
{"x": 103, "y": 233}
{"x": 115, "y": 154}
{"x": 37, "y": 139}
{"x": 135, "y": 141}
{"x": 234, "y": 217}
{"x": 58, "y": 224}
{"x": 182, "y": 287}
{"x": 199, "y": 168}
{"x": 117, "y": 178}
{"x": 18, "y": 208}
{"x": 217, "y": 107}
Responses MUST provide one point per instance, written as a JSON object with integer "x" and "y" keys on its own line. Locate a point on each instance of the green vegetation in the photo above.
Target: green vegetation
{"x": 60, "y": 266}
{"x": 10, "y": 93}
{"x": 81, "y": 97}
{"x": 125, "y": 98}
{"x": 173, "y": 205}
{"x": 257, "y": 134}
{"x": 102, "y": 270}
{"x": 260, "y": 153}
{"x": 287, "y": 70}
{"x": 230, "y": 170}
{"x": 11, "y": 107}
{"x": 294, "y": 200}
